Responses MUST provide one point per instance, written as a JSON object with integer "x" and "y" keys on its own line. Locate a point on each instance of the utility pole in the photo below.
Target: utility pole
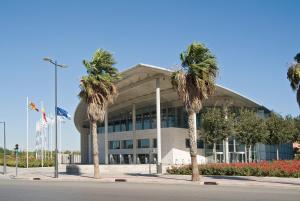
{"x": 4, "y": 151}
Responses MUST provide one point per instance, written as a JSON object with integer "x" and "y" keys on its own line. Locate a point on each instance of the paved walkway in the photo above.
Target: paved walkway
{"x": 46, "y": 173}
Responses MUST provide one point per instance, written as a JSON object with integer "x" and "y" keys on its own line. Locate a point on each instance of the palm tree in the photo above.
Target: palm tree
{"x": 195, "y": 82}
{"x": 293, "y": 76}
{"x": 98, "y": 90}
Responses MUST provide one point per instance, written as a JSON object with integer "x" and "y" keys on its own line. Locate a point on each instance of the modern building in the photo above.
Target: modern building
{"x": 148, "y": 124}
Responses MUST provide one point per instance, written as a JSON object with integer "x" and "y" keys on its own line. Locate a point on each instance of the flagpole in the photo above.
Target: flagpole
{"x": 27, "y": 131}
{"x": 51, "y": 131}
{"x": 42, "y": 135}
{"x": 60, "y": 122}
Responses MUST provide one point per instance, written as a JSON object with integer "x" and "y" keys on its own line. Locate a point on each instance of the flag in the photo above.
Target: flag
{"x": 33, "y": 106}
{"x": 63, "y": 113}
{"x": 44, "y": 115}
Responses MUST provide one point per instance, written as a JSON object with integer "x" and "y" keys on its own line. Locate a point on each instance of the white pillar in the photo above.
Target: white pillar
{"x": 134, "y": 133}
{"x": 106, "y": 136}
{"x": 234, "y": 151}
{"x": 226, "y": 150}
{"x": 158, "y": 126}
{"x": 226, "y": 143}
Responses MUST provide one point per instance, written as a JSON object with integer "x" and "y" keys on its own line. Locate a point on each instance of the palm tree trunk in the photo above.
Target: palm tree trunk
{"x": 277, "y": 152}
{"x": 193, "y": 145}
{"x": 95, "y": 150}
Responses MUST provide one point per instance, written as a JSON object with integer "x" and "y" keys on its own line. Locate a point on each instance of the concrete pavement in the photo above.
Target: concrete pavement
{"x": 46, "y": 174}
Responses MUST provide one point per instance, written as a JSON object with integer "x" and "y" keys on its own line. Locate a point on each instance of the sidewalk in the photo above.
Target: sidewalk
{"x": 46, "y": 174}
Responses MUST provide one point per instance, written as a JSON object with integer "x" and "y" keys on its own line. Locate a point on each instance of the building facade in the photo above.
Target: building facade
{"x": 148, "y": 124}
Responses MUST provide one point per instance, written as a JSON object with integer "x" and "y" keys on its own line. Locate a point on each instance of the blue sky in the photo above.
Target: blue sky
{"x": 254, "y": 42}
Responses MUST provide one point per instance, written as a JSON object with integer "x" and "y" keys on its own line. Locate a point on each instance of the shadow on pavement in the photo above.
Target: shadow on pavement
{"x": 142, "y": 174}
{"x": 230, "y": 178}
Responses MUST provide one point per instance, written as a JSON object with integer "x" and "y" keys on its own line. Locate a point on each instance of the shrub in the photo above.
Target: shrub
{"x": 271, "y": 169}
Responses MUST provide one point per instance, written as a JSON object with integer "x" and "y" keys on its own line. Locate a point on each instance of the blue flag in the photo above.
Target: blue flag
{"x": 63, "y": 113}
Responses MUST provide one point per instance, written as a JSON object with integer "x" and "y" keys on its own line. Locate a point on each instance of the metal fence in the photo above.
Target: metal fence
{"x": 69, "y": 158}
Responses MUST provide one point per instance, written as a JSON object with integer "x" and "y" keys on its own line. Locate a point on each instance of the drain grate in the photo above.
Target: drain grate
{"x": 210, "y": 183}
{"x": 36, "y": 178}
{"x": 120, "y": 180}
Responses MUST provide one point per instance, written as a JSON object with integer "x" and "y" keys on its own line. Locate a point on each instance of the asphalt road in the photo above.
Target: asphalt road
{"x": 20, "y": 190}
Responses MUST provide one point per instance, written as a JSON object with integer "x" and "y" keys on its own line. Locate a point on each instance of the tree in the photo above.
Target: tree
{"x": 250, "y": 129}
{"x": 296, "y": 136}
{"x": 217, "y": 125}
{"x": 98, "y": 90}
{"x": 195, "y": 82}
{"x": 281, "y": 130}
{"x": 293, "y": 75}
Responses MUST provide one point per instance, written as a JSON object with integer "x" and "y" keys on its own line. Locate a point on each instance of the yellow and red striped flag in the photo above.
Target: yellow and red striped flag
{"x": 44, "y": 115}
{"x": 32, "y": 106}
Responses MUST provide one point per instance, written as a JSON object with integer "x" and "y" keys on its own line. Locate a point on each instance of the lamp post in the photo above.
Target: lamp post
{"x": 54, "y": 62}
{"x": 4, "y": 151}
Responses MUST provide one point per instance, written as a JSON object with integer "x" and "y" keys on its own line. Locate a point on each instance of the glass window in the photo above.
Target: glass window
{"x": 143, "y": 143}
{"x": 111, "y": 127}
{"x": 123, "y": 125}
{"x": 117, "y": 126}
{"x": 164, "y": 122}
{"x": 200, "y": 143}
{"x": 146, "y": 120}
{"x": 100, "y": 130}
{"x": 154, "y": 145}
{"x": 179, "y": 119}
{"x": 127, "y": 144}
{"x": 127, "y": 158}
{"x": 143, "y": 158}
{"x": 219, "y": 146}
{"x": 139, "y": 125}
{"x": 153, "y": 119}
{"x": 185, "y": 119}
{"x": 129, "y": 122}
{"x": 114, "y": 144}
{"x": 198, "y": 120}
{"x": 187, "y": 143}
{"x": 114, "y": 159}
{"x": 171, "y": 117}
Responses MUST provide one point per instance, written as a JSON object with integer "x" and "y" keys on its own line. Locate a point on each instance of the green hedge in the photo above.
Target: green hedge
{"x": 271, "y": 169}
{"x": 10, "y": 161}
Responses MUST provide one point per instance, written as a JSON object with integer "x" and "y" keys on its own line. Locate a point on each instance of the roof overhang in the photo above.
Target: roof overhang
{"x": 137, "y": 85}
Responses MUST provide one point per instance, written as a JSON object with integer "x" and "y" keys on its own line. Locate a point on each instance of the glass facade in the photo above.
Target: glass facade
{"x": 127, "y": 144}
{"x": 143, "y": 143}
{"x": 146, "y": 119}
{"x": 114, "y": 145}
{"x": 200, "y": 143}
{"x": 177, "y": 117}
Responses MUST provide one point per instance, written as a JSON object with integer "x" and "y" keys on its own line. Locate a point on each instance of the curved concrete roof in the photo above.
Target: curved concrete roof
{"x": 144, "y": 75}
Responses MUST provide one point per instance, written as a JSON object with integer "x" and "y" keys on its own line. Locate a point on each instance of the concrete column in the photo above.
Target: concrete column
{"x": 234, "y": 151}
{"x": 158, "y": 126}
{"x": 226, "y": 141}
{"x": 90, "y": 146}
{"x": 106, "y": 136}
{"x": 134, "y": 133}
{"x": 84, "y": 147}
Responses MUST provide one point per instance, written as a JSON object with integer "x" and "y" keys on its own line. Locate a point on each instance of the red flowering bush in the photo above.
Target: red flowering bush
{"x": 265, "y": 168}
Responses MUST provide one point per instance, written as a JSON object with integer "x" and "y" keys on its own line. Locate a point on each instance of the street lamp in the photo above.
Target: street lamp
{"x": 54, "y": 62}
{"x": 4, "y": 151}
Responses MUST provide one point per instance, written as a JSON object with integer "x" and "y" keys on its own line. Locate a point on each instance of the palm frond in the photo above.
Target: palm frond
{"x": 97, "y": 88}
{"x": 195, "y": 82}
